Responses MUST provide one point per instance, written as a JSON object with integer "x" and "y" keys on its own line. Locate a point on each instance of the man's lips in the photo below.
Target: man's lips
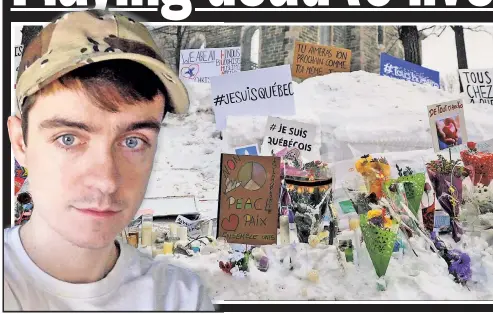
{"x": 96, "y": 212}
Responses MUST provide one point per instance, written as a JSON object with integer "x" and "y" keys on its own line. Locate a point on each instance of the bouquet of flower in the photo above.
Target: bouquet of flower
{"x": 380, "y": 234}
{"x": 306, "y": 192}
{"x": 236, "y": 264}
{"x": 375, "y": 172}
{"x": 459, "y": 264}
{"x": 481, "y": 162}
{"x": 446, "y": 178}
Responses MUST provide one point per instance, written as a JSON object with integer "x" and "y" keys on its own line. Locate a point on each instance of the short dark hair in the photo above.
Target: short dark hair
{"x": 108, "y": 84}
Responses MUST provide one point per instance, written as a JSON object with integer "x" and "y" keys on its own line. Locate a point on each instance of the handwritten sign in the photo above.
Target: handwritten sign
{"x": 248, "y": 199}
{"x": 447, "y": 124}
{"x": 199, "y": 65}
{"x": 282, "y": 133}
{"x": 314, "y": 60}
{"x": 477, "y": 85}
{"x": 261, "y": 92}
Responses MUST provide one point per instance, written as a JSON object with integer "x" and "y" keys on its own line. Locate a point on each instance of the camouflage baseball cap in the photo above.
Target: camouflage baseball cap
{"x": 83, "y": 37}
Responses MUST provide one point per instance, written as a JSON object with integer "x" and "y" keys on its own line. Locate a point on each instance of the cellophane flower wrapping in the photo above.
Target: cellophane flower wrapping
{"x": 379, "y": 243}
{"x": 310, "y": 192}
{"x": 375, "y": 172}
{"x": 481, "y": 163}
{"x": 446, "y": 179}
{"x": 459, "y": 263}
{"x": 414, "y": 188}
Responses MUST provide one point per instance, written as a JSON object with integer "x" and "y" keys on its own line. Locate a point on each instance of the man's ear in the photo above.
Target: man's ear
{"x": 16, "y": 139}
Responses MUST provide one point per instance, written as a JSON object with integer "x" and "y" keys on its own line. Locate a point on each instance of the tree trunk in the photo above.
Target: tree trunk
{"x": 460, "y": 46}
{"x": 409, "y": 35}
{"x": 179, "y": 41}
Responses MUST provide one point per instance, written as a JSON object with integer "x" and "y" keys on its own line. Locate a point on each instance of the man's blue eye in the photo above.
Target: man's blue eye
{"x": 68, "y": 139}
{"x": 132, "y": 142}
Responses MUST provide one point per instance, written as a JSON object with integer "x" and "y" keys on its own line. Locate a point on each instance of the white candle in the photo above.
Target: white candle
{"x": 182, "y": 233}
{"x": 284, "y": 229}
{"x": 172, "y": 229}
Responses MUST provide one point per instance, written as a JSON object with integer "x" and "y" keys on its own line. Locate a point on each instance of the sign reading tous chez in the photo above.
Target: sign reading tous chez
{"x": 477, "y": 85}
{"x": 248, "y": 199}
{"x": 314, "y": 60}
{"x": 447, "y": 124}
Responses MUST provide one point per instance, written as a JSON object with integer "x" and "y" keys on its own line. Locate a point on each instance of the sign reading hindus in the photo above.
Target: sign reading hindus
{"x": 248, "y": 199}
{"x": 314, "y": 60}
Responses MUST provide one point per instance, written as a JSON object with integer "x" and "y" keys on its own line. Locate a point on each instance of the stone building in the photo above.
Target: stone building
{"x": 266, "y": 46}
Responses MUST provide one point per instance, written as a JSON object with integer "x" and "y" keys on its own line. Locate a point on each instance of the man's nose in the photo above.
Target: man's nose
{"x": 103, "y": 173}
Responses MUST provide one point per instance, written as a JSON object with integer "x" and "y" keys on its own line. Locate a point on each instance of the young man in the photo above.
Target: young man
{"x": 91, "y": 94}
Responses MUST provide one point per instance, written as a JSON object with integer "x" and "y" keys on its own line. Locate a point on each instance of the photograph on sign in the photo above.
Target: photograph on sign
{"x": 447, "y": 124}
{"x": 199, "y": 65}
{"x": 248, "y": 198}
{"x": 403, "y": 70}
{"x": 282, "y": 133}
{"x": 314, "y": 60}
{"x": 262, "y": 92}
{"x": 477, "y": 85}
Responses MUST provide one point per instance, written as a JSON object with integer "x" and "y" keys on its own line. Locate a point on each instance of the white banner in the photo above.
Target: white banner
{"x": 263, "y": 92}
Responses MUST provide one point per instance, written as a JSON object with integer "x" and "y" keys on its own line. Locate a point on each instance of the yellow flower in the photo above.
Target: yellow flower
{"x": 374, "y": 213}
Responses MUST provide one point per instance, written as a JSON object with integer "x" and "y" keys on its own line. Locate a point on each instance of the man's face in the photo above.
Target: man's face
{"x": 89, "y": 168}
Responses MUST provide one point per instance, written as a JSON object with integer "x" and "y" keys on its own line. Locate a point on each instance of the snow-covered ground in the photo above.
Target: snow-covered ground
{"x": 356, "y": 113}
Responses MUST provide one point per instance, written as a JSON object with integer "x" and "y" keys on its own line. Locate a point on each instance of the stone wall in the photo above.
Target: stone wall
{"x": 276, "y": 43}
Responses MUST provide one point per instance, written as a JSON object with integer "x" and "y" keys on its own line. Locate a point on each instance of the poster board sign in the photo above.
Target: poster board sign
{"x": 282, "y": 133}
{"x": 247, "y": 150}
{"x": 447, "y": 124}
{"x": 248, "y": 199}
{"x": 400, "y": 69}
{"x": 314, "y": 60}
{"x": 262, "y": 92}
{"x": 477, "y": 85}
{"x": 199, "y": 65}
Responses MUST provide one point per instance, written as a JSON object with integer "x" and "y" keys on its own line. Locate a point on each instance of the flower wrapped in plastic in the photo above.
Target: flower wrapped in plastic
{"x": 459, "y": 263}
{"x": 481, "y": 163}
{"x": 380, "y": 234}
{"x": 375, "y": 172}
{"x": 236, "y": 264}
{"x": 309, "y": 193}
{"x": 446, "y": 178}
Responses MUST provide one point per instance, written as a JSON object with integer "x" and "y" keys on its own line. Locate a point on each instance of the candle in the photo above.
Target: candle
{"x": 284, "y": 232}
{"x": 182, "y": 233}
{"x": 172, "y": 229}
{"x": 168, "y": 248}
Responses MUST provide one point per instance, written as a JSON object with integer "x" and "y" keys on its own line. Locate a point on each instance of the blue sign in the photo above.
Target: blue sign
{"x": 407, "y": 71}
{"x": 251, "y": 150}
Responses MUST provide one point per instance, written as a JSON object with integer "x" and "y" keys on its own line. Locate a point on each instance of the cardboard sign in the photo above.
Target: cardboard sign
{"x": 314, "y": 60}
{"x": 248, "y": 199}
{"x": 407, "y": 71}
{"x": 477, "y": 85}
{"x": 261, "y": 92}
{"x": 199, "y": 65}
{"x": 251, "y": 150}
{"x": 447, "y": 124}
{"x": 282, "y": 133}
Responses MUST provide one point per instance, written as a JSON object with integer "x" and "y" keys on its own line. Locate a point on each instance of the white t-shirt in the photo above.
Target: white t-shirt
{"x": 137, "y": 282}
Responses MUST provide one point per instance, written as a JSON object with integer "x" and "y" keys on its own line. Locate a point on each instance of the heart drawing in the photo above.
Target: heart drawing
{"x": 230, "y": 224}
{"x": 190, "y": 71}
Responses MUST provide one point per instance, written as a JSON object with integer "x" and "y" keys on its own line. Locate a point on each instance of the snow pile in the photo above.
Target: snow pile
{"x": 408, "y": 277}
{"x": 354, "y": 112}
